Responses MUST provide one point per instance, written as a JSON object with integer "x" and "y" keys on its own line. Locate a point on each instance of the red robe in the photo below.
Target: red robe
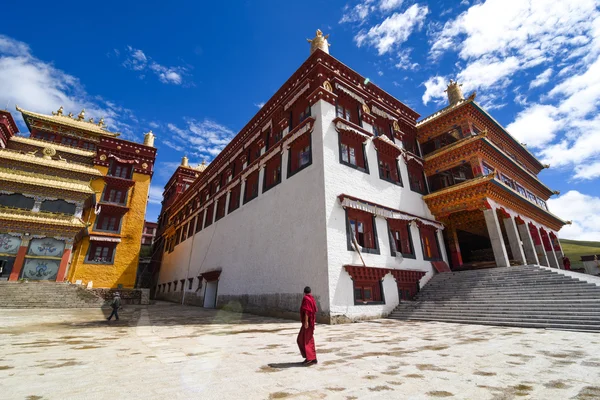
{"x": 306, "y": 341}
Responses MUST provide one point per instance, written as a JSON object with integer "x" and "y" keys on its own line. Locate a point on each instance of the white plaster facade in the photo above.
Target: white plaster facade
{"x": 294, "y": 235}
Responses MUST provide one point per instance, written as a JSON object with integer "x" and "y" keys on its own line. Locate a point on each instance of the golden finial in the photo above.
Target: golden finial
{"x": 546, "y": 165}
{"x": 149, "y": 139}
{"x": 91, "y": 120}
{"x": 455, "y": 93}
{"x": 58, "y": 112}
{"x": 185, "y": 162}
{"x": 556, "y": 192}
{"x": 81, "y": 115}
{"x": 571, "y": 222}
{"x": 70, "y": 115}
{"x": 101, "y": 122}
{"x": 319, "y": 42}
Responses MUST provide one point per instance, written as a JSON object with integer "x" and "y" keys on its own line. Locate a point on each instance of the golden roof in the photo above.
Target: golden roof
{"x": 40, "y": 217}
{"x": 58, "y": 147}
{"x": 12, "y": 155}
{"x": 67, "y": 120}
{"x": 30, "y": 178}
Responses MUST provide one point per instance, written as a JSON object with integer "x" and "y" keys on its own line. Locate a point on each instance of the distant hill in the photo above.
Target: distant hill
{"x": 574, "y": 249}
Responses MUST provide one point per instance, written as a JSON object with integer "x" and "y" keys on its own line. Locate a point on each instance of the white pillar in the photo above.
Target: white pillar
{"x": 261, "y": 177}
{"x": 440, "y": 237}
{"x": 514, "y": 241}
{"x": 493, "y": 227}
{"x": 552, "y": 258}
{"x": 227, "y": 200}
{"x": 540, "y": 251}
{"x": 528, "y": 244}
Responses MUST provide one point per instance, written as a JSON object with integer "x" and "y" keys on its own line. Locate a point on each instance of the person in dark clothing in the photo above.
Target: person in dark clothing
{"x": 115, "y": 304}
{"x": 567, "y": 263}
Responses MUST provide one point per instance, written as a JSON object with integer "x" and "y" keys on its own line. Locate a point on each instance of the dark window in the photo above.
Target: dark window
{"x": 400, "y": 237}
{"x": 121, "y": 171}
{"x": 360, "y": 226}
{"x": 487, "y": 169}
{"x": 199, "y": 221}
{"x": 251, "y": 189}
{"x": 68, "y": 141}
{"x": 416, "y": 178}
{"x": 58, "y": 206}
{"x": 114, "y": 196}
{"x": 108, "y": 222}
{"x": 352, "y": 152}
{"x": 367, "y": 292}
{"x": 177, "y": 236}
{"x": 429, "y": 243}
{"x": 305, "y": 113}
{"x": 88, "y": 146}
{"x": 47, "y": 136}
{"x": 209, "y": 215}
{"x": 184, "y": 232}
{"x": 388, "y": 168}
{"x": 221, "y": 207}
{"x": 190, "y": 232}
{"x": 234, "y": 198}
{"x": 16, "y": 201}
{"x": 254, "y": 151}
{"x": 272, "y": 175}
{"x": 300, "y": 154}
{"x": 174, "y": 286}
{"x": 450, "y": 177}
{"x": 190, "y": 283}
{"x": 101, "y": 253}
{"x": 343, "y": 112}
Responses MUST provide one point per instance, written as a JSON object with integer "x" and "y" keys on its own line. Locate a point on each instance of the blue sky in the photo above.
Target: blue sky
{"x": 196, "y": 73}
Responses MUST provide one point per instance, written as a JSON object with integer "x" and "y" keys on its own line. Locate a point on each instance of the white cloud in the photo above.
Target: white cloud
{"x": 201, "y": 139}
{"x": 358, "y": 13}
{"x": 38, "y": 86}
{"x": 155, "y": 195}
{"x": 388, "y": 5}
{"x": 434, "y": 89}
{"x": 583, "y": 210}
{"x": 394, "y": 30}
{"x": 260, "y": 105}
{"x": 485, "y": 73}
{"x": 138, "y": 61}
{"x": 536, "y": 125}
{"x": 541, "y": 79}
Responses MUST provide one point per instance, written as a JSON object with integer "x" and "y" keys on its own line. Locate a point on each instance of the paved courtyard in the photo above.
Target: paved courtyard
{"x": 168, "y": 351}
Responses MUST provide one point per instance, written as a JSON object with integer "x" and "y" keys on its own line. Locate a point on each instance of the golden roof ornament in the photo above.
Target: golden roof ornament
{"x": 149, "y": 139}
{"x": 455, "y": 94}
{"x": 101, "y": 122}
{"x": 70, "y": 115}
{"x": 319, "y": 42}
{"x": 91, "y": 120}
{"x": 81, "y": 115}
{"x": 48, "y": 153}
{"x": 185, "y": 162}
{"x": 201, "y": 167}
{"x": 58, "y": 112}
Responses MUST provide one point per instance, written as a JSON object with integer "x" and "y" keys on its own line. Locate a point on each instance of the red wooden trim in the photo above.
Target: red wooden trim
{"x": 386, "y": 147}
{"x": 366, "y": 274}
{"x": 407, "y": 275}
{"x": 211, "y": 275}
{"x": 18, "y": 264}
{"x": 440, "y": 266}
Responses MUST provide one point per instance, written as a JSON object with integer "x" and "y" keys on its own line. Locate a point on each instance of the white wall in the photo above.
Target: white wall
{"x": 340, "y": 179}
{"x": 273, "y": 246}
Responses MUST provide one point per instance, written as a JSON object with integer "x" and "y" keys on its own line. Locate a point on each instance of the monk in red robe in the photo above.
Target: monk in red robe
{"x": 306, "y": 341}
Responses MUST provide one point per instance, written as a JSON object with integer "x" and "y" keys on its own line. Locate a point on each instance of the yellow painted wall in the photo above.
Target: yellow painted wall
{"x": 124, "y": 269}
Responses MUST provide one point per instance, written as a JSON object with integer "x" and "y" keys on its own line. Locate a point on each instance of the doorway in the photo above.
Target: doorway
{"x": 210, "y": 294}
{"x": 6, "y": 266}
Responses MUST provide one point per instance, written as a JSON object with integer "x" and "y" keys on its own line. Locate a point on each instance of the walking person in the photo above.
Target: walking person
{"x": 566, "y": 263}
{"x": 115, "y": 304}
{"x": 306, "y": 340}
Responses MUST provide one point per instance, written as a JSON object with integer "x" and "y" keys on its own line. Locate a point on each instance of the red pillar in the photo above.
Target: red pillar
{"x": 455, "y": 254}
{"x": 64, "y": 261}
{"x": 19, "y": 261}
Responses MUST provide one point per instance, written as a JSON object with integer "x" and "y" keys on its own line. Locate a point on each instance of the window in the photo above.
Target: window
{"x": 274, "y": 137}
{"x": 343, "y": 112}
{"x": 361, "y": 226}
{"x": 300, "y": 154}
{"x": 416, "y": 178}
{"x": 379, "y": 130}
{"x": 221, "y": 207}
{"x": 388, "y": 168}
{"x": 272, "y": 176}
{"x": 190, "y": 283}
{"x": 401, "y": 238}
{"x": 169, "y": 284}
{"x": 410, "y": 144}
{"x": 68, "y": 141}
{"x": 174, "y": 286}
{"x": 114, "y": 196}
{"x": 367, "y": 292}
{"x": 531, "y": 196}
{"x": 120, "y": 171}
{"x": 305, "y": 113}
{"x": 209, "y": 215}
{"x": 251, "y": 188}
{"x": 542, "y": 203}
{"x": 429, "y": 242}
{"x": 45, "y": 136}
{"x": 199, "y": 219}
{"x": 234, "y": 198}
{"x": 177, "y": 236}
{"x": 521, "y": 190}
{"x": 487, "y": 169}
{"x": 190, "y": 231}
{"x": 101, "y": 253}
{"x": 108, "y": 222}
{"x": 352, "y": 152}
{"x": 254, "y": 151}
{"x": 88, "y": 146}
{"x": 16, "y": 201}
{"x": 58, "y": 206}
{"x": 184, "y": 232}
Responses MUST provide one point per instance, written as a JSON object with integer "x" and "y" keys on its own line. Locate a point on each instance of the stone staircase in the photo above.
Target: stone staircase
{"x": 46, "y": 295}
{"x": 525, "y": 296}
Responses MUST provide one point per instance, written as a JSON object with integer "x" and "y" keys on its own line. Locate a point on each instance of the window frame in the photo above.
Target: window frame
{"x": 393, "y": 240}
{"x": 394, "y": 163}
{"x": 94, "y": 246}
{"x": 361, "y": 148}
{"x": 252, "y": 179}
{"x": 437, "y": 243}
{"x": 272, "y": 166}
{"x": 299, "y": 144}
{"x": 376, "y": 289}
{"x": 365, "y": 217}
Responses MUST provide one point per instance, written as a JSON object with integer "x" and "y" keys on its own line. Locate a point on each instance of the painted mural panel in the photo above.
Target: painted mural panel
{"x": 9, "y": 244}
{"x": 40, "y": 269}
{"x": 48, "y": 247}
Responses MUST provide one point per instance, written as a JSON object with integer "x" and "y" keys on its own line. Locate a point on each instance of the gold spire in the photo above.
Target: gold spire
{"x": 201, "y": 167}
{"x": 185, "y": 162}
{"x": 81, "y": 115}
{"x": 455, "y": 93}
{"x": 149, "y": 139}
{"x": 319, "y": 42}
{"x": 101, "y": 122}
{"x": 58, "y": 112}
{"x": 91, "y": 120}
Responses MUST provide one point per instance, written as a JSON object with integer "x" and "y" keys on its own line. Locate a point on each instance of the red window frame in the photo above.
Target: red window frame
{"x": 416, "y": 178}
{"x": 120, "y": 170}
{"x": 348, "y": 109}
{"x": 300, "y": 154}
{"x": 102, "y": 252}
{"x": 429, "y": 243}
{"x": 254, "y": 151}
{"x": 251, "y": 188}
{"x": 234, "y": 198}
{"x": 352, "y": 152}
{"x": 388, "y": 168}
{"x": 367, "y": 292}
{"x": 401, "y": 237}
{"x": 209, "y": 215}
{"x": 362, "y": 225}
{"x": 272, "y": 176}
{"x": 220, "y": 207}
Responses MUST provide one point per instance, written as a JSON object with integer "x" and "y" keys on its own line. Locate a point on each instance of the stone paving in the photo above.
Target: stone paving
{"x": 169, "y": 351}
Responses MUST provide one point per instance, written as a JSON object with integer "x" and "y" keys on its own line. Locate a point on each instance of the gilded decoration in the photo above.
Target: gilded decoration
{"x": 35, "y": 179}
{"x": 145, "y": 165}
{"x": 48, "y": 153}
{"x": 365, "y": 109}
{"x": 103, "y": 157}
{"x": 59, "y": 118}
{"x": 41, "y": 217}
{"x": 319, "y": 42}
{"x": 396, "y": 126}
{"x": 327, "y": 86}
{"x": 12, "y": 156}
